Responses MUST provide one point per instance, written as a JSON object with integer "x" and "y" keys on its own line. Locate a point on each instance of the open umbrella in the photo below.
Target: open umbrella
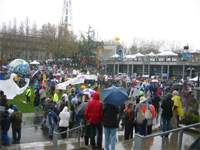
{"x": 114, "y": 95}
{"x": 88, "y": 91}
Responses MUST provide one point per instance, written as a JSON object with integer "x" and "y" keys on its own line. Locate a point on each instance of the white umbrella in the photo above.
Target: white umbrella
{"x": 34, "y": 62}
{"x": 88, "y": 91}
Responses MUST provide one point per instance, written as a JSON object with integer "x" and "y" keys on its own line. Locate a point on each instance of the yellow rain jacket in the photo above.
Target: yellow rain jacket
{"x": 178, "y": 104}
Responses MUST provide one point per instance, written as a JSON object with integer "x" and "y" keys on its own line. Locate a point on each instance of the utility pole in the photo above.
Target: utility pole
{"x": 91, "y": 43}
{"x": 66, "y": 19}
{"x": 1, "y": 57}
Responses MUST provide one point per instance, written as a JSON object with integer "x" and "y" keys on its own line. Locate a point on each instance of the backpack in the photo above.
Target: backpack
{"x": 140, "y": 117}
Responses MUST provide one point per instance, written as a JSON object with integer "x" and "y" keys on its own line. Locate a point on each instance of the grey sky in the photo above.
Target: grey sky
{"x": 174, "y": 20}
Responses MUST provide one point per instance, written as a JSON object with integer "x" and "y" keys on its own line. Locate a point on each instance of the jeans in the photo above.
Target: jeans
{"x": 51, "y": 129}
{"x": 110, "y": 138}
{"x": 143, "y": 128}
{"x": 166, "y": 126}
{"x": 16, "y": 135}
{"x": 5, "y": 138}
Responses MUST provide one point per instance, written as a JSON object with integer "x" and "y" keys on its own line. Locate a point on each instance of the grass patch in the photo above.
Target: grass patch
{"x": 20, "y": 102}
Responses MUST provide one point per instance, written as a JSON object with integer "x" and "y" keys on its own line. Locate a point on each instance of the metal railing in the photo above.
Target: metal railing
{"x": 76, "y": 132}
{"x": 139, "y": 139}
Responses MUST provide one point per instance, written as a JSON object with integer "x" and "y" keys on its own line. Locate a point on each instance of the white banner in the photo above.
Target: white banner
{"x": 78, "y": 80}
{"x": 74, "y": 81}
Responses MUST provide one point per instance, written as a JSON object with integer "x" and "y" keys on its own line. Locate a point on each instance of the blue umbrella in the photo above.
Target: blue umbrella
{"x": 114, "y": 95}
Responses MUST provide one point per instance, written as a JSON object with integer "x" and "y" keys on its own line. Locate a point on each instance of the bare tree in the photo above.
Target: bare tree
{"x": 21, "y": 29}
{"x": 14, "y": 27}
{"x": 34, "y": 31}
{"x": 27, "y": 27}
{"x": 145, "y": 46}
{"x": 4, "y": 28}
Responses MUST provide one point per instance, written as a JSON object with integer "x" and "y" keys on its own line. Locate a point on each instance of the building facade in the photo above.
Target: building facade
{"x": 163, "y": 66}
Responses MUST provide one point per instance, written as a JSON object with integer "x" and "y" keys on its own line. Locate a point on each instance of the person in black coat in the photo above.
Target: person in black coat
{"x": 129, "y": 121}
{"x": 5, "y": 125}
{"x": 110, "y": 123}
{"x": 166, "y": 105}
{"x": 3, "y": 99}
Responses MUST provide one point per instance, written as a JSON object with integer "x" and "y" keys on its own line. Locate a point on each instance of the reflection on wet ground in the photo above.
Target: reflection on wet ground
{"x": 34, "y": 138}
{"x": 170, "y": 143}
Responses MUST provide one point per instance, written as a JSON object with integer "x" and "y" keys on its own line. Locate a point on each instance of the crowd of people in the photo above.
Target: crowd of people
{"x": 149, "y": 104}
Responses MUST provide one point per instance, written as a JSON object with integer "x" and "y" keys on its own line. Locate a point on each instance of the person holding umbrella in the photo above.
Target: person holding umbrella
{"x": 113, "y": 98}
{"x": 110, "y": 124}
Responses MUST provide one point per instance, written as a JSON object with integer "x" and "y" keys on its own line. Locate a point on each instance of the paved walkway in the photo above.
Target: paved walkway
{"x": 156, "y": 143}
{"x": 33, "y": 138}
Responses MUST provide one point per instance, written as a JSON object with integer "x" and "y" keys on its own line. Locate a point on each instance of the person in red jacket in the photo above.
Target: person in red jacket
{"x": 93, "y": 117}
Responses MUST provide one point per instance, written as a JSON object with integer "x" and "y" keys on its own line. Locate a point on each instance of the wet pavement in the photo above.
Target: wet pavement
{"x": 31, "y": 129}
{"x": 34, "y": 138}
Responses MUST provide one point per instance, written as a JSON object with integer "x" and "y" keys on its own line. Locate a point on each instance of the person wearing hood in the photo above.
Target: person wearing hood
{"x": 64, "y": 121}
{"x": 178, "y": 112}
{"x": 93, "y": 116}
{"x": 52, "y": 121}
{"x": 167, "y": 113}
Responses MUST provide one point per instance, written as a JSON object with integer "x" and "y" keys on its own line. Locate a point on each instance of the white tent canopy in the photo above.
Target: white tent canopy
{"x": 167, "y": 53}
{"x": 139, "y": 55}
{"x": 115, "y": 56}
{"x": 195, "y": 51}
{"x": 34, "y": 62}
{"x": 151, "y": 54}
{"x": 130, "y": 56}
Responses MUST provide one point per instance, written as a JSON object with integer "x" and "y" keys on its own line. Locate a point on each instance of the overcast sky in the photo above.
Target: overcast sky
{"x": 173, "y": 20}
